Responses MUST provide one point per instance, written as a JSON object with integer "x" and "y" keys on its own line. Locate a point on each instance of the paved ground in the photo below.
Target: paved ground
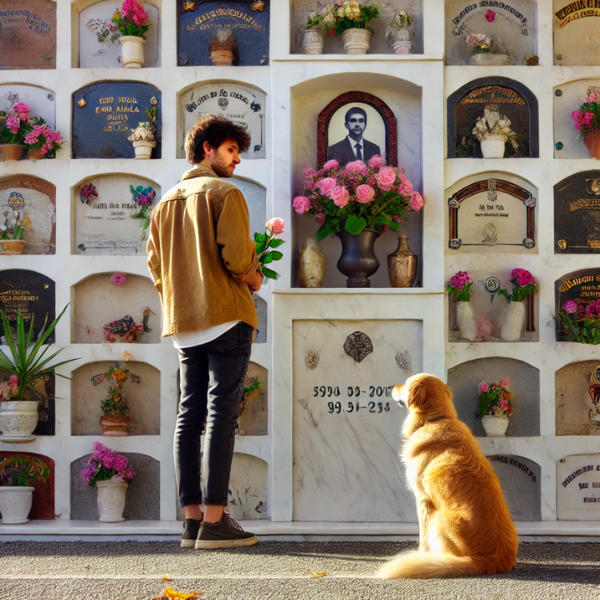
{"x": 277, "y": 570}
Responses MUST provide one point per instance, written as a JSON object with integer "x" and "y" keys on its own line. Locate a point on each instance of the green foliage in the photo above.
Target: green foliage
{"x": 584, "y": 331}
{"x": 20, "y": 470}
{"x": 367, "y": 13}
{"x": 462, "y": 295}
{"x": 265, "y": 249}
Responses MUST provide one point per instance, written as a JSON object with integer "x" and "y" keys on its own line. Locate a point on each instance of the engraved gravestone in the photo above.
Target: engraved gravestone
{"x": 30, "y": 292}
{"x": 104, "y": 115}
{"x": 576, "y": 32}
{"x": 41, "y": 101}
{"x": 577, "y": 214}
{"x": 238, "y": 103}
{"x": 27, "y": 34}
{"x": 581, "y": 287}
{"x": 223, "y": 32}
{"x": 578, "y": 488}
{"x": 520, "y": 480}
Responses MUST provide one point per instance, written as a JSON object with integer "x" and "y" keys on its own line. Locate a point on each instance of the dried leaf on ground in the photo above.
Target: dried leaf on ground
{"x": 171, "y": 594}
{"x": 167, "y": 579}
{"x": 318, "y": 574}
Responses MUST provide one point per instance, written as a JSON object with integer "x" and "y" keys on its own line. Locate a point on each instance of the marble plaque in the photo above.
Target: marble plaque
{"x": 27, "y": 34}
{"x": 241, "y": 104}
{"x": 254, "y": 419}
{"x": 576, "y": 32}
{"x": 511, "y": 24}
{"x": 492, "y": 215}
{"x": 520, "y": 480}
{"x": 208, "y": 29}
{"x": 105, "y": 222}
{"x": 578, "y": 488}
{"x": 100, "y": 48}
{"x": 30, "y": 292}
{"x": 583, "y": 287}
{"x": 248, "y": 488}
{"x": 104, "y": 115}
{"x": 577, "y": 411}
{"x": 346, "y": 426}
{"x": 41, "y": 101}
{"x": 577, "y": 214}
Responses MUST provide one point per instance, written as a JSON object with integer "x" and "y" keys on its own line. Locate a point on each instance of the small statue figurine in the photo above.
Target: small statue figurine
{"x": 224, "y": 49}
{"x": 495, "y": 128}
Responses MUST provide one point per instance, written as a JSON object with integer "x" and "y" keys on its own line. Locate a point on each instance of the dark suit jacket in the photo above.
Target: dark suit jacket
{"x": 343, "y": 151}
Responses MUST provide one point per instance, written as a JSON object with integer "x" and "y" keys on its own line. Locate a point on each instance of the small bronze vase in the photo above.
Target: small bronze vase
{"x": 402, "y": 265}
{"x": 358, "y": 261}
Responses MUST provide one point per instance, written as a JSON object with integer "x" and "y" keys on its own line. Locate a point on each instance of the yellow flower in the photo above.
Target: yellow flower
{"x": 117, "y": 15}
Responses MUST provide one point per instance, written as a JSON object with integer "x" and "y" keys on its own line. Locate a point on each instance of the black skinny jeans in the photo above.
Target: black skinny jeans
{"x": 212, "y": 383}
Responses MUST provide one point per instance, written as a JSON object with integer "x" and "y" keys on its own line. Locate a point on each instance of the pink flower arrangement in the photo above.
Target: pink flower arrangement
{"x": 88, "y": 193}
{"x": 15, "y": 123}
{"x": 580, "y": 323}
{"x": 587, "y": 118}
{"x": 44, "y": 138}
{"x": 524, "y": 284}
{"x": 9, "y": 390}
{"x": 266, "y": 244}
{"x": 459, "y": 286}
{"x": 495, "y": 399}
{"x": 118, "y": 279}
{"x": 105, "y": 464}
{"x": 132, "y": 19}
{"x": 357, "y": 196}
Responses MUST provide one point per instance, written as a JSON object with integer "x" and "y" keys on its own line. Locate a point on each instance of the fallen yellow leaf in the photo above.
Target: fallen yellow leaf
{"x": 167, "y": 579}
{"x": 318, "y": 574}
{"x": 172, "y": 594}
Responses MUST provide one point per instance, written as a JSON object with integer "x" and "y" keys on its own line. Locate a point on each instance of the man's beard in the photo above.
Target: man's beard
{"x": 220, "y": 167}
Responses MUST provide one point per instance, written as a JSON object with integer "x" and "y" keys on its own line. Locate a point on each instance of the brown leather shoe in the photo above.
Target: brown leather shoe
{"x": 224, "y": 534}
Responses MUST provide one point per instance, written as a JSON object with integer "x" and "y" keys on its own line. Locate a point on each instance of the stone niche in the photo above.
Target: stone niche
{"x": 576, "y": 33}
{"x": 32, "y": 202}
{"x": 578, "y": 488}
{"x": 261, "y": 311}
{"x": 142, "y": 498}
{"x": 27, "y": 34}
{"x": 98, "y": 47}
{"x": 105, "y": 215}
{"x": 520, "y": 481}
{"x": 512, "y": 100}
{"x": 105, "y": 113}
{"x": 106, "y": 310}
{"x": 464, "y": 380}
{"x": 254, "y": 418}
{"x": 378, "y": 43}
{"x": 41, "y": 101}
{"x": 346, "y": 424}
{"x": 31, "y": 293}
{"x": 491, "y": 213}
{"x": 569, "y": 97}
{"x": 143, "y": 398}
{"x": 239, "y": 103}
{"x": 512, "y": 28}
{"x": 42, "y": 508}
{"x": 223, "y": 33}
{"x": 577, "y": 397}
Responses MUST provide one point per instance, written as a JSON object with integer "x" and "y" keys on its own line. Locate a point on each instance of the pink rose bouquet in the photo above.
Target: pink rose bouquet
{"x": 357, "y": 196}
{"x": 132, "y": 19}
{"x": 523, "y": 285}
{"x": 495, "y": 399}
{"x": 266, "y": 244}
{"x": 587, "y": 118}
{"x": 459, "y": 286}
{"x": 105, "y": 464}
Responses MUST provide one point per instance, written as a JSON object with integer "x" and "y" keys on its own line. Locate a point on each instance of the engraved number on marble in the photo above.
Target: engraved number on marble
{"x": 372, "y": 407}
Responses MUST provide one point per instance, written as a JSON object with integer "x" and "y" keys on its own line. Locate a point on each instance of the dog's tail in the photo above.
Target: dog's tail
{"x": 420, "y": 565}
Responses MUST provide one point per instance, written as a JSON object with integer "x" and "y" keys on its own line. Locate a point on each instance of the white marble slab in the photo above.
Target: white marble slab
{"x": 578, "y": 488}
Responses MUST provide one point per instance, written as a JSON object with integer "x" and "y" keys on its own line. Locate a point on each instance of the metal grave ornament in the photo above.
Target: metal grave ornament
{"x": 358, "y": 345}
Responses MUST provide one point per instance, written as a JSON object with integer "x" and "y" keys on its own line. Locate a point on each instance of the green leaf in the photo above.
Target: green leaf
{"x": 276, "y": 242}
{"x": 276, "y": 255}
{"x": 354, "y": 225}
{"x": 269, "y": 274}
{"x": 259, "y": 237}
{"x": 261, "y": 247}
{"x": 323, "y": 232}
{"x": 393, "y": 225}
{"x": 268, "y": 258}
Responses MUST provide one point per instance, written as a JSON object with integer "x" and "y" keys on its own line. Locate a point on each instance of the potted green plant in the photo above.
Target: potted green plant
{"x": 353, "y": 24}
{"x": 397, "y": 32}
{"x": 15, "y": 124}
{"x": 495, "y": 406}
{"x": 16, "y": 496}
{"x": 133, "y": 23}
{"x": 313, "y": 34}
{"x": 27, "y": 361}
{"x": 459, "y": 287}
{"x": 11, "y": 239}
{"x": 587, "y": 121}
{"x": 42, "y": 141}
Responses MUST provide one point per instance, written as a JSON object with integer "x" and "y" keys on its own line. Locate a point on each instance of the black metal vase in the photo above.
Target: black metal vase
{"x": 358, "y": 261}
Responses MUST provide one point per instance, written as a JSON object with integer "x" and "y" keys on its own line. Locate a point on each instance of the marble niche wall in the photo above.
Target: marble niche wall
{"x": 254, "y": 418}
{"x": 41, "y": 101}
{"x": 575, "y": 33}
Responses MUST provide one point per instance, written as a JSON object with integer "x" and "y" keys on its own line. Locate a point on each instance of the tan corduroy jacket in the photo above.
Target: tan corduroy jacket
{"x": 200, "y": 251}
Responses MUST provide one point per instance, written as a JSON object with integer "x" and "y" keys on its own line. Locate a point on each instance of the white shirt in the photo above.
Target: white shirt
{"x": 196, "y": 338}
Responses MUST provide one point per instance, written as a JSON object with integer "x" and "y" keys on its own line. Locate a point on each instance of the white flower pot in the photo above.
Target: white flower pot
{"x": 485, "y": 59}
{"x": 15, "y": 504}
{"x": 313, "y": 41}
{"x": 399, "y": 39}
{"x": 493, "y": 146}
{"x": 356, "y": 40}
{"x": 466, "y": 321}
{"x": 133, "y": 51}
{"x": 18, "y": 419}
{"x": 143, "y": 150}
{"x": 495, "y": 426}
{"x": 513, "y": 321}
{"x": 111, "y": 499}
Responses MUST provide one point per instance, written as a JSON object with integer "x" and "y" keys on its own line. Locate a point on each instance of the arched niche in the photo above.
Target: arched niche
{"x": 240, "y": 103}
{"x": 464, "y": 380}
{"x": 104, "y": 307}
{"x": 569, "y": 97}
{"x": 142, "y": 390}
{"x": 378, "y": 43}
{"x": 105, "y": 112}
{"x": 27, "y": 34}
{"x": 492, "y": 212}
{"x": 261, "y": 311}
{"x": 142, "y": 499}
{"x": 512, "y": 27}
{"x": 520, "y": 479}
{"x": 256, "y": 199}
{"x": 94, "y": 46}
{"x": 245, "y": 37}
{"x": 42, "y": 508}
{"x": 41, "y": 101}
{"x": 31, "y": 201}
{"x": 577, "y": 488}
{"x": 105, "y": 215}
{"x": 575, "y": 35}
{"x": 513, "y": 100}
{"x": 254, "y": 417}
{"x": 248, "y": 497}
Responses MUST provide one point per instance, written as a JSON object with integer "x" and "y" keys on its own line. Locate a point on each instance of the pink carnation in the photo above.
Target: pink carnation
{"x": 377, "y": 161}
{"x": 570, "y": 306}
{"x": 521, "y": 277}
{"x": 365, "y": 193}
{"x": 505, "y": 383}
{"x": 340, "y": 196}
{"x": 276, "y": 225}
{"x": 490, "y": 15}
{"x": 327, "y": 185}
{"x": 483, "y": 388}
{"x": 331, "y": 164}
{"x": 417, "y": 201}
{"x": 301, "y": 204}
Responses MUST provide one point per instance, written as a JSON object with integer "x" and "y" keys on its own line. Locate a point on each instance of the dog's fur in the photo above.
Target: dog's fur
{"x": 465, "y": 526}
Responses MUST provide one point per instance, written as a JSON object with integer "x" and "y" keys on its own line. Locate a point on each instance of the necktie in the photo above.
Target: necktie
{"x": 359, "y": 155}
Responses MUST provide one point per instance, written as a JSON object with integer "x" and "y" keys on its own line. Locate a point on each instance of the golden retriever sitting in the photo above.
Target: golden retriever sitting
{"x": 465, "y": 526}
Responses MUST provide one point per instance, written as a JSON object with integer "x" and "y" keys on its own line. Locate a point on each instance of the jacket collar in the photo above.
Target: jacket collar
{"x": 198, "y": 171}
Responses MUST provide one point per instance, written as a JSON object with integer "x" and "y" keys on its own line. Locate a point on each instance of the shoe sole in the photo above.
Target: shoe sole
{"x": 216, "y": 544}
{"x": 187, "y": 543}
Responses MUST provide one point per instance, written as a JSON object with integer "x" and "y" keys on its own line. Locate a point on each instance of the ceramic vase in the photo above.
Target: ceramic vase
{"x": 12, "y": 246}
{"x": 399, "y": 39}
{"x": 15, "y": 504}
{"x": 111, "y": 499}
{"x": 495, "y": 426}
{"x": 493, "y": 146}
{"x": 18, "y": 419}
{"x": 143, "y": 150}
{"x": 485, "y": 59}
{"x": 312, "y": 265}
{"x": 402, "y": 265}
{"x": 313, "y": 41}
{"x": 466, "y": 321}
{"x": 133, "y": 51}
{"x": 115, "y": 426}
{"x": 11, "y": 152}
{"x": 592, "y": 143}
{"x": 356, "y": 40}
{"x": 513, "y": 322}
{"x": 358, "y": 261}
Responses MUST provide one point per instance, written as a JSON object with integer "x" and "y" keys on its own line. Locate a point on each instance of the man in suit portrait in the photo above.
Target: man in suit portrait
{"x": 354, "y": 146}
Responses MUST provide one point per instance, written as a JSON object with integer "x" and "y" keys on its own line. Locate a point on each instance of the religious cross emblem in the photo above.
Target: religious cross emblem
{"x": 358, "y": 345}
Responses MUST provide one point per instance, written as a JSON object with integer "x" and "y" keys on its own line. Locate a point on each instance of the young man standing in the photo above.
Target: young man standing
{"x": 204, "y": 266}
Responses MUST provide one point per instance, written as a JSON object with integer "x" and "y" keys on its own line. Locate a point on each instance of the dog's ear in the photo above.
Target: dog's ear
{"x": 417, "y": 395}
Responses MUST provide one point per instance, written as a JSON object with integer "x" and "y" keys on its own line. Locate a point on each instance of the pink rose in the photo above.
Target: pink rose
{"x": 301, "y": 204}
{"x": 377, "y": 161}
{"x": 416, "y": 201}
{"x": 483, "y": 388}
{"x": 276, "y": 225}
{"x": 358, "y": 166}
{"x": 505, "y": 383}
{"x": 406, "y": 188}
{"x": 326, "y": 185}
{"x": 331, "y": 164}
{"x": 365, "y": 193}
{"x": 386, "y": 177}
{"x": 309, "y": 172}
{"x": 340, "y": 196}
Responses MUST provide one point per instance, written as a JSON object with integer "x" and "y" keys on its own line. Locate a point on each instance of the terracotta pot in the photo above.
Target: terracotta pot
{"x": 495, "y": 426}
{"x": 313, "y": 42}
{"x": 143, "y": 150}
{"x": 18, "y": 419}
{"x": 513, "y": 322}
{"x": 592, "y": 143}
{"x": 35, "y": 154}
{"x": 402, "y": 265}
{"x": 466, "y": 321}
{"x": 12, "y": 246}
{"x": 115, "y": 426}
{"x": 11, "y": 152}
{"x": 356, "y": 40}
{"x": 312, "y": 265}
{"x": 133, "y": 51}
{"x": 358, "y": 261}
{"x": 111, "y": 499}
{"x": 15, "y": 504}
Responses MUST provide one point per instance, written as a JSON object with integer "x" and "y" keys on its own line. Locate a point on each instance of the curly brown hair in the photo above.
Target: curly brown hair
{"x": 215, "y": 130}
